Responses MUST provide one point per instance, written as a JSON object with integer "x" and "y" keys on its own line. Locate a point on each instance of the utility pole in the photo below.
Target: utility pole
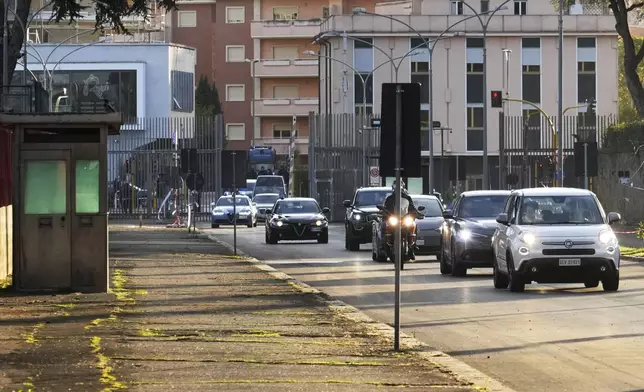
{"x": 234, "y": 205}
{"x": 5, "y": 54}
{"x": 560, "y": 98}
{"x": 398, "y": 199}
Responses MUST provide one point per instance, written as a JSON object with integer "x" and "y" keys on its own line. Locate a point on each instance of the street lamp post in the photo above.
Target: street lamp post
{"x": 560, "y": 110}
{"x": 484, "y": 26}
{"x": 430, "y": 47}
{"x": 252, "y": 112}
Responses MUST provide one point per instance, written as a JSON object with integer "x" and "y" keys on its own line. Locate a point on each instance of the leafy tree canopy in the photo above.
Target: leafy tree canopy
{"x": 207, "y": 98}
{"x": 627, "y": 111}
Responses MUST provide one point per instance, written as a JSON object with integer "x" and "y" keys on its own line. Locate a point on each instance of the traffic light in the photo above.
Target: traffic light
{"x": 497, "y": 99}
{"x": 592, "y": 107}
{"x": 127, "y": 165}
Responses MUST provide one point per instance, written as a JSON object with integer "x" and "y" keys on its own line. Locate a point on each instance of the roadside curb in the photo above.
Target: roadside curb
{"x": 633, "y": 258}
{"x": 458, "y": 369}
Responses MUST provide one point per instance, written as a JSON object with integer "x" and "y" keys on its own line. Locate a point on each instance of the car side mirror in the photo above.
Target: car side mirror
{"x": 502, "y": 218}
{"x": 420, "y": 216}
{"x": 347, "y": 203}
{"x": 421, "y": 208}
{"x": 448, "y": 214}
{"x": 614, "y": 217}
{"x": 212, "y": 204}
{"x": 380, "y": 207}
{"x": 326, "y": 210}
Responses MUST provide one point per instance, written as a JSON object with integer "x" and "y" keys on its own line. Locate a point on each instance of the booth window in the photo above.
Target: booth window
{"x": 87, "y": 188}
{"x": 45, "y": 187}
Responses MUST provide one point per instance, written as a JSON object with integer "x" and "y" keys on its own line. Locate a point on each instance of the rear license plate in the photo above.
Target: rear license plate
{"x": 569, "y": 262}
{"x": 316, "y": 229}
{"x": 420, "y": 242}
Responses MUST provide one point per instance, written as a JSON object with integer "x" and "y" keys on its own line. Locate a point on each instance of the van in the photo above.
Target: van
{"x": 269, "y": 184}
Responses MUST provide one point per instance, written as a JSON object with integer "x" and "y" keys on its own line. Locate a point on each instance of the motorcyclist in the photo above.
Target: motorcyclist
{"x": 390, "y": 206}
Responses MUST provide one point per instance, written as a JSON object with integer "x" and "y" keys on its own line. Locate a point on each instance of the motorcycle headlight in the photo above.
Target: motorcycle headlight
{"x": 527, "y": 238}
{"x": 464, "y": 234}
{"x": 279, "y": 223}
{"x": 357, "y": 216}
{"x": 607, "y": 237}
{"x": 408, "y": 221}
{"x": 392, "y": 220}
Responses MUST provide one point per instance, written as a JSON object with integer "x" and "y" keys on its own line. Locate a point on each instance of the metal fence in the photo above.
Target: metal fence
{"x": 529, "y": 145}
{"x": 144, "y": 178}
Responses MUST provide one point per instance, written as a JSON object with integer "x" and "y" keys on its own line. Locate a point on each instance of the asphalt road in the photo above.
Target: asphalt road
{"x": 550, "y": 338}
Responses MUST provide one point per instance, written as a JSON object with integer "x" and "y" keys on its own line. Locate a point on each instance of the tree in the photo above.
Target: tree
{"x": 627, "y": 110}
{"x": 207, "y": 98}
{"x": 109, "y": 13}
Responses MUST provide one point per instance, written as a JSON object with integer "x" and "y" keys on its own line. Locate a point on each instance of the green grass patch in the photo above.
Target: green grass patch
{"x": 634, "y": 252}
{"x": 5, "y": 283}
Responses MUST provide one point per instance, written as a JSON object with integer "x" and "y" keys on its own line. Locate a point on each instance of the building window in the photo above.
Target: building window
{"x": 282, "y": 131}
{"x": 183, "y": 91}
{"x": 285, "y": 52}
{"x": 475, "y": 94}
{"x": 520, "y": 7}
{"x": 235, "y": 53}
{"x": 531, "y": 69}
{"x": 284, "y": 13}
{"x": 485, "y": 6}
{"x": 235, "y": 93}
{"x": 456, "y": 7}
{"x": 286, "y": 92}
{"x": 586, "y": 70}
{"x": 420, "y": 68}
{"x": 235, "y": 131}
{"x": 363, "y": 62}
{"x": 532, "y": 124}
{"x": 235, "y": 15}
{"x": 187, "y": 18}
{"x": 325, "y": 12}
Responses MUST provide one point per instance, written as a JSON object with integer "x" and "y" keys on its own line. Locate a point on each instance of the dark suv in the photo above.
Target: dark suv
{"x": 361, "y": 212}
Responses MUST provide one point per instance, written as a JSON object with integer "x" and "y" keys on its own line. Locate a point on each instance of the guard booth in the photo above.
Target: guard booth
{"x": 60, "y": 201}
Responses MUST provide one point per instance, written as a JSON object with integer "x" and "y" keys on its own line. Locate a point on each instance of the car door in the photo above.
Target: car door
{"x": 449, "y": 226}
{"x": 504, "y": 231}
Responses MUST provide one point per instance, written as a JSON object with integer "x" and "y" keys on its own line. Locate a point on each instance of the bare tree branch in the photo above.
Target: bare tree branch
{"x": 634, "y": 6}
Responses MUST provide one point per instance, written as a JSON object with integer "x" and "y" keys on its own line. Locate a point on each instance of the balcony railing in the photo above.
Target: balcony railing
{"x": 281, "y": 145}
{"x": 285, "y": 106}
{"x": 285, "y": 28}
{"x": 287, "y": 68}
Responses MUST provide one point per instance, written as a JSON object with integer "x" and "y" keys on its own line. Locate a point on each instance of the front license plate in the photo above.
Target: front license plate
{"x": 420, "y": 242}
{"x": 315, "y": 229}
{"x": 569, "y": 262}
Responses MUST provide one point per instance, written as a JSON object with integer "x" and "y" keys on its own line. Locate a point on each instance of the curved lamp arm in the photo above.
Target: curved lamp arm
{"x": 490, "y": 13}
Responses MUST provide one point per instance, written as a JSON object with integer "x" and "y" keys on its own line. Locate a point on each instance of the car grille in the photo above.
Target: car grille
{"x": 299, "y": 228}
{"x": 568, "y": 252}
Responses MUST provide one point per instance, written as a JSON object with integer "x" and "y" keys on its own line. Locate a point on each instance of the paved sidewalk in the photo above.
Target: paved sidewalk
{"x": 185, "y": 317}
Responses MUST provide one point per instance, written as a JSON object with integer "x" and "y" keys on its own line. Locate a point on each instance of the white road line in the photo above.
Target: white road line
{"x": 338, "y": 260}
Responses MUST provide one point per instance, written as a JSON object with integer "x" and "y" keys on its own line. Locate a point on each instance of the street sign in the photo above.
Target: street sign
{"x": 374, "y": 176}
{"x": 375, "y": 123}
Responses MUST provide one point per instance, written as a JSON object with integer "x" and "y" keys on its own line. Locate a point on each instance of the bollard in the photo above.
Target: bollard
{"x": 140, "y": 220}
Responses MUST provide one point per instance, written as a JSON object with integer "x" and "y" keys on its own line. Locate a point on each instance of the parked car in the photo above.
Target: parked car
{"x": 298, "y": 218}
{"x": 468, "y": 230}
{"x": 360, "y": 213}
{"x": 555, "y": 235}
{"x": 226, "y": 208}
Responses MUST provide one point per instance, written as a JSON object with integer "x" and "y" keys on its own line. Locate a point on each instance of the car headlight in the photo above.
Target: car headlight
{"x": 392, "y": 220}
{"x": 464, "y": 234}
{"x": 244, "y": 212}
{"x": 318, "y": 223}
{"x": 527, "y": 238}
{"x": 217, "y": 212}
{"x": 356, "y": 217}
{"x": 279, "y": 223}
{"x": 408, "y": 221}
{"x": 607, "y": 237}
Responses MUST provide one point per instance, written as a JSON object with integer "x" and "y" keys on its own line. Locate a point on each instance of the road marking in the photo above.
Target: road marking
{"x": 191, "y": 243}
{"x": 338, "y": 260}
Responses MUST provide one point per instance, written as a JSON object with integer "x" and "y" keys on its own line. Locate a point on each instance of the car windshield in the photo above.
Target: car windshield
{"x": 228, "y": 201}
{"x": 560, "y": 210}
{"x": 297, "y": 207}
{"x": 268, "y": 189}
{"x": 266, "y": 199}
{"x": 482, "y": 206}
{"x": 432, "y": 206}
{"x": 270, "y": 181}
{"x": 371, "y": 198}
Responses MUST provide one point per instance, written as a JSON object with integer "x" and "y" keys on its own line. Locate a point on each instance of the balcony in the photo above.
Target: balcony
{"x": 500, "y": 24}
{"x": 281, "y": 145}
{"x": 285, "y": 28}
{"x": 280, "y": 107}
{"x": 287, "y": 68}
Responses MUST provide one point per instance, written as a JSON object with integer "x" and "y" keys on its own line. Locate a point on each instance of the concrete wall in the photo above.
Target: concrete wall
{"x": 629, "y": 202}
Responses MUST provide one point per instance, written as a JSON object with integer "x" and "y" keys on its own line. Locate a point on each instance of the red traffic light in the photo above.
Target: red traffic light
{"x": 494, "y": 94}
{"x": 497, "y": 99}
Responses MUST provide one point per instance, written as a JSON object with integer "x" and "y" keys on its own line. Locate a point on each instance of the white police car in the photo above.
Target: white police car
{"x": 555, "y": 235}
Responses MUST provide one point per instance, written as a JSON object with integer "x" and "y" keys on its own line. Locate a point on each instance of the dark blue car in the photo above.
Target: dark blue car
{"x": 223, "y": 212}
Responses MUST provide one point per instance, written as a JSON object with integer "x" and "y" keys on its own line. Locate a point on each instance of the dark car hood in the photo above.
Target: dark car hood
{"x": 300, "y": 218}
{"x": 429, "y": 222}
{"x": 483, "y": 225}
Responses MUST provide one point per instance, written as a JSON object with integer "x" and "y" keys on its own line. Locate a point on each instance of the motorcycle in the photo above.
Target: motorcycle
{"x": 407, "y": 232}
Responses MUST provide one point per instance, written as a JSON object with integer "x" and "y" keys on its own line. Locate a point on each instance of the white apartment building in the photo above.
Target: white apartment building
{"x": 529, "y": 29}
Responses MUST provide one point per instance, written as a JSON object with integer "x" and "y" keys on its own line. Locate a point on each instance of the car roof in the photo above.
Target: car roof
{"x": 373, "y": 188}
{"x": 555, "y": 191}
{"x": 267, "y": 194}
{"x": 486, "y": 193}
{"x": 424, "y": 197}
{"x": 298, "y": 199}
{"x": 231, "y": 196}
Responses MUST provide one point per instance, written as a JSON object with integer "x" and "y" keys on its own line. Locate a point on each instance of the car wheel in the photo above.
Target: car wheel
{"x": 515, "y": 283}
{"x": 353, "y": 246}
{"x": 250, "y": 224}
{"x": 214, "y": 226}
{"x": 591, "y": 284}
{"x": 611, "y": 283}
{"x": 323, "y": 238}
{"x": 500, "y": 280}
{"x": 458, "y": 269}
{"x": 445, "y": 268}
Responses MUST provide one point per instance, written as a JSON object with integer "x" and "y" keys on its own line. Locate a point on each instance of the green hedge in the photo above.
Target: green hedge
{"x": 623, "y": 137}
